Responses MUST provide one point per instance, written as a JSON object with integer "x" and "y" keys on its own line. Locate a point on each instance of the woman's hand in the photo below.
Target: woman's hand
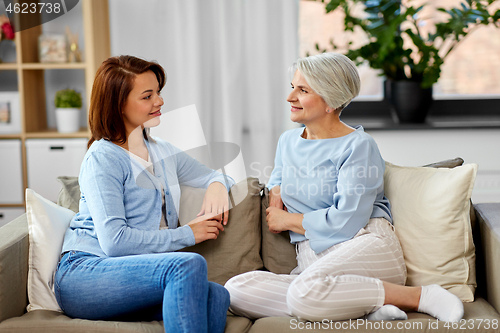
{"x": 279, "y": 220}
{"x": 216, "y": 201}
{"x": 206, "y": 227}
{"x": 275, "y": 198}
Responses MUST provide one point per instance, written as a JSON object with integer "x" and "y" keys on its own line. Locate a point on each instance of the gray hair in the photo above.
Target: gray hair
{"x": 333, "y": 76}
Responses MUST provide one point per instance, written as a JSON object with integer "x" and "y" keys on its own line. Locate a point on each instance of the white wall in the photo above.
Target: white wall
{"x": 420, "y": 147}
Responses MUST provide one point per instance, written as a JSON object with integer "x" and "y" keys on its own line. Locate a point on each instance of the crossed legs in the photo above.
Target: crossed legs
{"x": 349, "y": 280}
{"x": 168, "y": 286}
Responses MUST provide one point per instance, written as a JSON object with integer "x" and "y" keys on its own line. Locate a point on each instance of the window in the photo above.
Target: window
{"x": 471, "y": 71}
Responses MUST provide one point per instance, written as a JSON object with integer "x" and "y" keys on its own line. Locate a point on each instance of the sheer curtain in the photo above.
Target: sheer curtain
{"x": 226, "y": 61}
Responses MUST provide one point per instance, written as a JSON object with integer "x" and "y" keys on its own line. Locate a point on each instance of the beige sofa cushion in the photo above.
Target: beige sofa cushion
{"x": 69, "y": 195}
{"x": 278, "y": 254}
{"x": 237, "y": 249}
{"x": 44, "y": 321}
{"x": 450, "y": 164}
{"x": 430, "y": 208}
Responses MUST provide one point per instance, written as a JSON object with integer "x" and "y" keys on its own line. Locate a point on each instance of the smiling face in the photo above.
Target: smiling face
{"x": 307, "y": 106}
{"x": 143, "y": 103}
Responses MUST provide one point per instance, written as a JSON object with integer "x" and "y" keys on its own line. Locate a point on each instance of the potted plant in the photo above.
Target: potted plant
{"x": 408, "y": 57}
{"x": 68, "y": 103}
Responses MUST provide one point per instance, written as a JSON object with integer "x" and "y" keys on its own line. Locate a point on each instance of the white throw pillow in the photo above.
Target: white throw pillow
{"x": 430, "y": 208}
{"x": 47, "y": 223}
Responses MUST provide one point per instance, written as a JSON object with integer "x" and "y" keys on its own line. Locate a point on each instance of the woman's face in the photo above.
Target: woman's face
{"x": 143, "y": 106}
{"x": 307, "y": 106}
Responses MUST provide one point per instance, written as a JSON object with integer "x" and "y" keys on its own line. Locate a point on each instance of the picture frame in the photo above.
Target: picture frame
{"x": 10, "y": 114}
{"x": 52, "y": 48}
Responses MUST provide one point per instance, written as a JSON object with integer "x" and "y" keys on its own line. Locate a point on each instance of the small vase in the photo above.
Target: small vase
{"x": 8, "y": 51}
{"x": 67, "y": 120}
{"x": 410, "y": 102}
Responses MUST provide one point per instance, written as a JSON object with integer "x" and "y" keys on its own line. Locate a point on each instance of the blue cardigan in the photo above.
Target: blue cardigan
{"x": 120, "y": 204}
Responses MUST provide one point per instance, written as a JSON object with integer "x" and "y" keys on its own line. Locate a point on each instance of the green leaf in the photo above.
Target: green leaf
{"x": 332, "y": 5}
{"x": 496, "y": 16}
{"x": 67, "y": 98}
{"x": 385, "y": 51}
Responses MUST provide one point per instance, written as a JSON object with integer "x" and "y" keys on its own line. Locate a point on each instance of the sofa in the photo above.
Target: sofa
{"x": 246, "y": 244}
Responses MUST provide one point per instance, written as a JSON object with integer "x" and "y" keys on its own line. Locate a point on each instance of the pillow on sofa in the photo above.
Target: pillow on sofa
{"x": 430, "y": 208}
{"x": 237, "y": 249}
{"x": 278, "y": 254}
{"x": 451, "y": 163}
{"x": 47, "y": 223}
{"x": 69, "y": 195}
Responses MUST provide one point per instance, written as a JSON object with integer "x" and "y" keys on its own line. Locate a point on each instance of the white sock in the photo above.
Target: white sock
{"x": 388, "y": 312}
{"x": 440, "y": 303}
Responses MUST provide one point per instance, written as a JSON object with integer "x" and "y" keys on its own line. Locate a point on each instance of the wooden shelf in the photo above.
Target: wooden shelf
{"x": 54, "y": 134}
{"x": 8, "y": 66}
{"x": 44, "y": 66}
{"x": 10, "y": 136}
{"x": 23, "y": 205}
{"x": 31, "y": 77}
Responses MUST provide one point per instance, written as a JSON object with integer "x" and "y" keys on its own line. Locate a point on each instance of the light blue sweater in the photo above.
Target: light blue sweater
{"x": 336, "y": 183}
{"x": 120, "y": 204}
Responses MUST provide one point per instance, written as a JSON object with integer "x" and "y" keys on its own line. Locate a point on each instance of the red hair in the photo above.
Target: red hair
{"x": 112, "y": 84}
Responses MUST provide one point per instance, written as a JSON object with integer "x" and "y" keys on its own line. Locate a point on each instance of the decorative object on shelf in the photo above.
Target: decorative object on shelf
{"x": 398, "y": 46}
{"x": 7, "y": 45}
{"x": 52, "y": 48}
{"x": 10, "y": 116}
{"x": 68, "y": 103}
{"x": 74, "y": 54}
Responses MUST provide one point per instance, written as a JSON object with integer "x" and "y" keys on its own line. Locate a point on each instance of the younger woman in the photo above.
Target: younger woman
{"x": 118, "y": 255}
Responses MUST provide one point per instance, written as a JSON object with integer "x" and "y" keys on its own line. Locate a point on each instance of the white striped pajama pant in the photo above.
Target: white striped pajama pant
{"x": 342, "y": 282}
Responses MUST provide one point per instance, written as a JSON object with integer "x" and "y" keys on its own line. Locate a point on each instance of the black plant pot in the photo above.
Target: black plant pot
{"x": 410, "y": 102}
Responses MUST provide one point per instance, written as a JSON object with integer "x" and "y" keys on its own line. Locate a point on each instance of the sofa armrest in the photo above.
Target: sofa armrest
{"x": 488, "y": 221}
{"x": 14, "y": 245}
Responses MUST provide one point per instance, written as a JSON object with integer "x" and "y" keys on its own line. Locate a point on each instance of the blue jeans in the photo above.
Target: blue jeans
{"x": 172, "y": 287}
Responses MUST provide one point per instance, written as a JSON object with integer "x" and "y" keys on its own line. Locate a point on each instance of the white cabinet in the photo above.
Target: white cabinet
{"x": 50, "y": 158}
{"x": 9, "y": 214}
{"x": 11, "y": 179}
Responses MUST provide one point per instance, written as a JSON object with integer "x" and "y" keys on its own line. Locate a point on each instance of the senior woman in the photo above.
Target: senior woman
{"x": 327, "y": 190}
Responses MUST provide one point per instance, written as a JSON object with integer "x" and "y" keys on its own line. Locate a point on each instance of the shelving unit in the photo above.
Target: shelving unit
{"x": 30, "y": 76}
